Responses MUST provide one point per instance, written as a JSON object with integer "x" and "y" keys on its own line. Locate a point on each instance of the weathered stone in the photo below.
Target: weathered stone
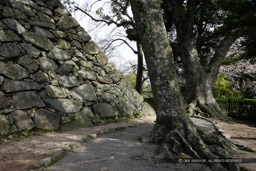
{"x": 87, "y": 75}
{"x": 91, "y": 48}
{"x": 3, "y": 26}
{"x": 61, "y": 11}
{"x": 1, "y": 80}
{"x": 22, "y": 120}
{"x": 14, "y": 25}
{"x": 68, "y": 81}
{"x": 26, "y": 100}
{"x": 9, "y": 50}
{"x": 84, "y": 36}
{"x": 116, "y": 76}
{"x": 147, "y": 109}
{"x": 103, "y": 87}
{"x": 67, "y": 67}
{"x": 60, "y": 34}
{"x": 31, "y": 50}
{"x": 102, "y": 59}
{"x": 59, "y": 54}
{"x": 104, "y": 80}
{"x": 8, "y": 36}
{"x": 45, "y": 18}
{"x": 99, "y": 70}
{"x": 76, "y": 44}
{"x": 42, "y": 24}
{"x": 4, "y": 125}
{"x": 46, "y": 11}
{"x": 37, "y": 40}
{"x": 64, "y": 105}
{"x": 13, "y": 71}
{"x": 83, "y": 117}
{"x": 110, "y": 67}
{"x": 104, "y": 110}
{"x": 30, "y": 64}
{"x": 84, "y": 93}
{"x": 47, "y": 120}
{"x": 13, "y": 13}
{"x": 65, "y": 120}
{"x": 54, "y": 92}
{"x": 86, "y": 64}
{"x": 108, "y": 97}
{"x": 63, "y": 44}
{"x": 129, "y": 91}
{"x": 13, "y": 86}
{"x": 47, "y": 64}
{"x": 42, "y": 32}
{"x": 4, "y": 101}
{"x": 23, "y": 8}
{"x": 67, "y": 22}
{"x": 40, "y": 77}
{"x": 53, "y": 4}
{"x": 27, "y": 2}
{"x": 125, "y": 107}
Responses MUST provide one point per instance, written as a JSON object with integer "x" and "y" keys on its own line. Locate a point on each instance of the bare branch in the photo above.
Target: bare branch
{"x": 124, "y": 41}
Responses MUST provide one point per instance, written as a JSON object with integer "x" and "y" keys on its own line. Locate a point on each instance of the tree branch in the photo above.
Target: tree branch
{"x": 124, "y": 41}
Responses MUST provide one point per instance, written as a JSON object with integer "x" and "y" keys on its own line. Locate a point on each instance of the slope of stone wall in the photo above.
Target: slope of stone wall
{"x": 52, "y": 75}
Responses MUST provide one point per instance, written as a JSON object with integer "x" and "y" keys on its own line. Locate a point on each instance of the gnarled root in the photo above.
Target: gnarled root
{"x": 176, "y": 142}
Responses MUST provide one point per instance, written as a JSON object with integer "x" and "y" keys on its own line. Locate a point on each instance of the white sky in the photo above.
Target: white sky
{"x": 123, "y": 55}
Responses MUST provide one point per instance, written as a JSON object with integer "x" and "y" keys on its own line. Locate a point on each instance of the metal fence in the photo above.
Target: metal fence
{"x": 243, "y": 109}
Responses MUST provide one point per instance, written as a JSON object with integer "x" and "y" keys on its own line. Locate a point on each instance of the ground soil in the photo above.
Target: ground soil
{"x": 18, "y": 154}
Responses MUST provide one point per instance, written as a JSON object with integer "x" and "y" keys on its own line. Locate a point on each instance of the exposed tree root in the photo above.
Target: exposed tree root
{"x": 196, "y": 143}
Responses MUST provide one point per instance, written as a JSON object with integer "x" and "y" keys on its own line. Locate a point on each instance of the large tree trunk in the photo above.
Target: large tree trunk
{"x": 139, "y": 74}
{"x": 173, "y": 129}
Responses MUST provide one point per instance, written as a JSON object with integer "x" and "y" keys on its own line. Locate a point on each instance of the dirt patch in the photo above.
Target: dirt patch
{"x": 244, "y": 133}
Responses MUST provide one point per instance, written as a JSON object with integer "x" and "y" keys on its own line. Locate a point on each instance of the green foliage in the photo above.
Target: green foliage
{"x": 132, "y": 78}
{"x": 222, "y": 88}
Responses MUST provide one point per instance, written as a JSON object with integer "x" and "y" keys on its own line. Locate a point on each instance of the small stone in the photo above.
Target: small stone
{"x": 65, "y": 120}
{"x": 68, "y": 81}
{"x": 76, "y": 44}
{"x": 110, "y": 67}
{"x": 31, "y": 50}
{"x": 61, "y": 11}
{"x": 26, "y": 100}
{"x": 13, "y": 86}
{"x": 108, "y": 97}
{"x": 102, "y": 59}
{"x": 42, "y": 24}
{"x": 42, "y": 32}
{"x": 22, "y": 120}
{"x": 91, "y": 48}
{"x": 4, "y": 101}
{"x": 67, "y": 67}
{"x": 14, "y": 25}
{"x": 104, "y": 80}
{"x": 53, "y": 4}
{"x": 46, "y": 11}
{"x": 40, "y": 77}
{"x": 84, "y": 36}
{"x": 84, "y": 93}
{"x": 47, "y": 64}
{"x": 37, "y": 40}
{"x": 104, "y": 110}
{"x": 45, "y": 18}
{"x": 60, "y": 34}
{"x": 13, "y": 13}
{"x": 59, "y": 54}
{"x": 54, "y": 92}
{"x": 9, "y": 50}
{"x": 28, "y": 63}
{"x": 67, "y": 22}
{"x": 23, "y": 8}
{"x": 8, "y": 36}
{"x": 13, "y": 71}
{"x": 83, "y": 117}
{"x": 4, "y": 125}
{"x": 63, "y": 44}
{"x": 86, "y": 64}
{"x": 47, "y": 120}
{"x": 1, "y": 80}
{"x": 116, "y": 76}
{"x": 64, "y": 105}
{"x": 87, "y": 75}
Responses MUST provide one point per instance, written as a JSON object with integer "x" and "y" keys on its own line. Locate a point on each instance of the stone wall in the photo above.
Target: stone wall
{"x": 52, "y": 75}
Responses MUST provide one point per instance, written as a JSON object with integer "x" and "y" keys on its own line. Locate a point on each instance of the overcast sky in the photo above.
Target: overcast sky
{"x": 123, "y": 55}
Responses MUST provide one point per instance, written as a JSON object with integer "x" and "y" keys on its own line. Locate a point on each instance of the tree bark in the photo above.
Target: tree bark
{"x": 199, "y": 77}
{"x": 139, "y": 74}
{"x": 173, "y": 129}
